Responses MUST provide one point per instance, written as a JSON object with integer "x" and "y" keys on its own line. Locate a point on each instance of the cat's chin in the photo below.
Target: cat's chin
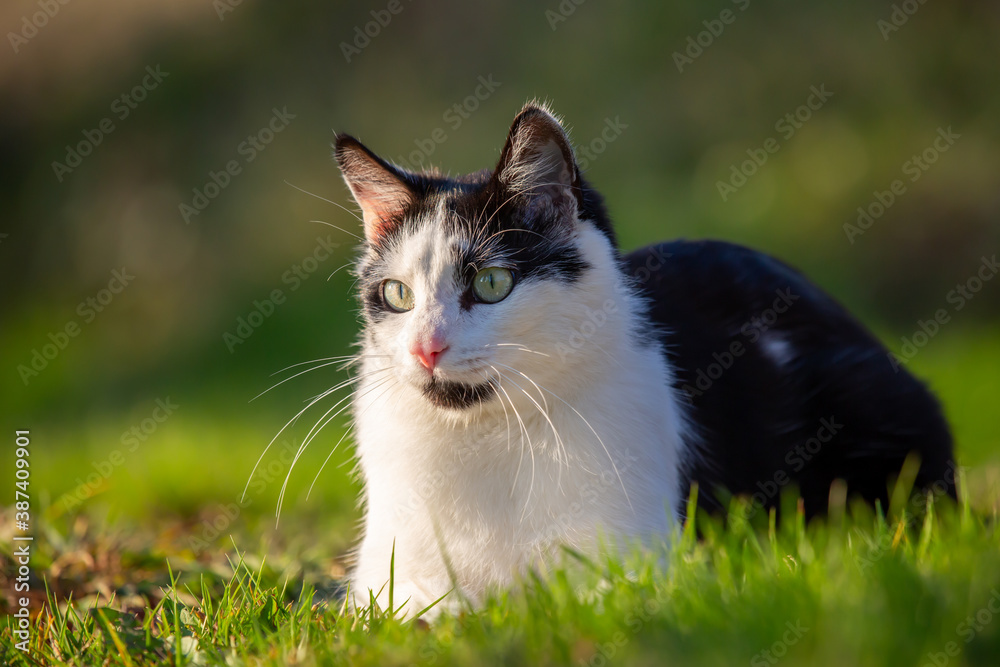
{"x": 457, "y": 395}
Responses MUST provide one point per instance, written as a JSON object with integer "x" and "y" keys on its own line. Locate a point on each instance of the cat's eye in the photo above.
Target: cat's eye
{"x": 397, "y": 296}
{"x": 493, "y": 284}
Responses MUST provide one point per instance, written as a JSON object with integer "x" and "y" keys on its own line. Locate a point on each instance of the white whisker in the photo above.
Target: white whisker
{"x": 313, "y": 432}
{"x": 330, "y": 201}
{"x": 313, "y": 361}
{"x": 603, "y": 446}
{"x": 531, "y": 449}
{"x": 346, "y": 433}
{"x": 560, "y": 445}
{"x": 351, "y": 380}
{"x": 500, "y": 208}
{"x": 502, "y": 405}
{"x": 515, "y": 229}
{"x": 517, "y": 346}
{"x": 282, "y": 430}
{"x": 337, "y": 269}
{"x": 308, "y": 370}
{"x": 341, "y": 229}
{"x": 266, "y": 449}
{"x": 348, "y": 359}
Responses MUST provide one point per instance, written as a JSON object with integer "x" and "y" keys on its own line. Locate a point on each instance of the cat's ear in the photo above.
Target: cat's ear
{"x": 537, "y": 162}
{"x": 379, "y": 188}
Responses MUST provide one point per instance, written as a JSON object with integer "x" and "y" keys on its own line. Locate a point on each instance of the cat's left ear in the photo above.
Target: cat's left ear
{"x": 537, "y": 162}
{"x": 379, "y": 188}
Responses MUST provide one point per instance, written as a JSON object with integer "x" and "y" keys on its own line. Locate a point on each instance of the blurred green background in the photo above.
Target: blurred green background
{"x": 658, "y": 130}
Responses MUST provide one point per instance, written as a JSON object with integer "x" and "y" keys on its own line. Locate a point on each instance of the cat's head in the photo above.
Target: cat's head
{"x": 467, "y": 280}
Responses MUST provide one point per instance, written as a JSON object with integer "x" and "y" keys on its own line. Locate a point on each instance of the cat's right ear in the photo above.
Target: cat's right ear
{"x": 379, "y": 188}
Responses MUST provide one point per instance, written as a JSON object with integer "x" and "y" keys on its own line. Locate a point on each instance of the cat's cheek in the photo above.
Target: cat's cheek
{"x": 393, "y": 341}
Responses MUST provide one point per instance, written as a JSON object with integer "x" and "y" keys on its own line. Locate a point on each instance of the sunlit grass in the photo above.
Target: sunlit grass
{"x": 859, "y": 590}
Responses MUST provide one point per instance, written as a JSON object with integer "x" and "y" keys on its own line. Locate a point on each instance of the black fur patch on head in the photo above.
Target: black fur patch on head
{"x": 495, "y": 229}
{"x": 483, "y": 207}
{"x": 522, "y": 216}
{"x": 458, "y": 395}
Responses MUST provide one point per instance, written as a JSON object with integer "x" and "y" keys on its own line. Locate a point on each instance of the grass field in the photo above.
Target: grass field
{"x": 160, "y": 562}
{"x": 175, "y": 227}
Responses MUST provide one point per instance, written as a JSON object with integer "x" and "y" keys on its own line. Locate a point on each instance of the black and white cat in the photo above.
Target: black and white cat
{"x": 524, "y": 385}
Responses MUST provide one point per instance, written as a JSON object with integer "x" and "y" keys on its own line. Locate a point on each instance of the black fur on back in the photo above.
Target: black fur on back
{"x": 804, "y": 396}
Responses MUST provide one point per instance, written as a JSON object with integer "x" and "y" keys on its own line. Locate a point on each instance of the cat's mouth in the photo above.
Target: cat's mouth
{"x": 457, "y": 395}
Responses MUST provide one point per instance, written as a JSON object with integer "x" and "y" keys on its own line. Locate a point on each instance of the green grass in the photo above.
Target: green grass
{"x": 857, "y": 590}
{"x": 174, "y": 568}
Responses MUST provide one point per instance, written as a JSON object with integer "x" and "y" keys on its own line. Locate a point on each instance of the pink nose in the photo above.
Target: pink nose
{"x": 428, "y": 352}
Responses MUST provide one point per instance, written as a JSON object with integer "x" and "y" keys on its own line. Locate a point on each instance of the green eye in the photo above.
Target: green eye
{"x": 493, "y": 284}
{"x": 397, "y": 296}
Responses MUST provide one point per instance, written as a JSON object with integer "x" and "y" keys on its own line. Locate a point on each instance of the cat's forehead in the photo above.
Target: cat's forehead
{"x": 466, "y": 208}
{"x": 429, "y": 247}
{"x": 456, "y": 227}
{"x": 450, "y": 223}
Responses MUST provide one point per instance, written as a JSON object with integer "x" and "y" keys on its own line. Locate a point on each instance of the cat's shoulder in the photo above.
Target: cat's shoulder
{"x": 720, "y": 276}
{"x": 716, "y": 286}
{"x": 715, "y": 266}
